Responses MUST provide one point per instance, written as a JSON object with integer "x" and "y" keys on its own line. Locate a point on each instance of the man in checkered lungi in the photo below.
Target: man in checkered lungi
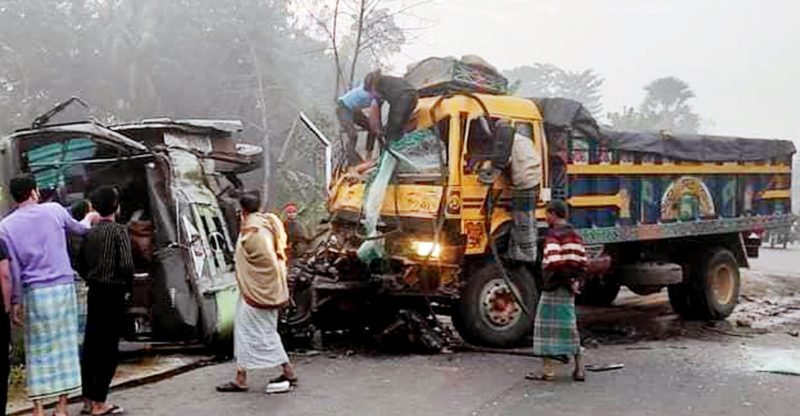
{"x": 555, "y": 333}
{"x": 44, "y": 282}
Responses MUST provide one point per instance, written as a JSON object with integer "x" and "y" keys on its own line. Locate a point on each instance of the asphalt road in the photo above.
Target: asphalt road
{"x": 778, "y": 260}
{"x": 678, "y": 369}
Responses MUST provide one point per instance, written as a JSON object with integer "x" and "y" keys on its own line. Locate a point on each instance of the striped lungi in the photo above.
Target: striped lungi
{"x": 51, "y": 341}
{"x": 555, "y": 331}
{"x": 256, "y": 342}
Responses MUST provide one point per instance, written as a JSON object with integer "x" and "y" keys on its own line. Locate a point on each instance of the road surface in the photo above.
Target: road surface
{"x": 671, "y": 368}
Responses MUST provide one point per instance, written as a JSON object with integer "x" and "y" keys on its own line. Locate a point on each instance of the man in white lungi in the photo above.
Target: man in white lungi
{"x": 261, "y": 275}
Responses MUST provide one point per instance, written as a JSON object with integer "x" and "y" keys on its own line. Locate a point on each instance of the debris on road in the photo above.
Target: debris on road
{"x": 602, "y": 368}
{"x": 276, "y": 388}
{"x": 782, "y": 372}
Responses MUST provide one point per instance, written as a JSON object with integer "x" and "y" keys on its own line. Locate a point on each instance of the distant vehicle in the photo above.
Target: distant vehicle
{"x": 174, "y": 176}
{"x": 780, "y": 237}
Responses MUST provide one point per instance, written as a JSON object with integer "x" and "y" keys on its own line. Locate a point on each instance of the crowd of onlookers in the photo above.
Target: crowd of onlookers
{"x": 39, "y": 294}
{"x": 38, "y": 277}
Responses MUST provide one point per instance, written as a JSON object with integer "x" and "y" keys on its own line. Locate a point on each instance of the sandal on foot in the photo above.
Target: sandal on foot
{"x": 113, "y": 410}
{"x": 540, "y": 377}
{"x": 579, "y": 376}
{"x": 231, "y": 387}
{"x": 281, "y": 378}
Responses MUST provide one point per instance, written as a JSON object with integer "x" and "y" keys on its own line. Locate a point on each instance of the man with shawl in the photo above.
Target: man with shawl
{"x": 261, "y": 275}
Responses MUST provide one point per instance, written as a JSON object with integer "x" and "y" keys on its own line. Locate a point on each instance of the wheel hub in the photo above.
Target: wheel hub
{"x": 723, "y": 284}
{"x": 498, "y": 306}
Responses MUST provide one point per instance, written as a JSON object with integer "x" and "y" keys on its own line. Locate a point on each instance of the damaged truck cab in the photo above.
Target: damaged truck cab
{"x": 173, "y": 177}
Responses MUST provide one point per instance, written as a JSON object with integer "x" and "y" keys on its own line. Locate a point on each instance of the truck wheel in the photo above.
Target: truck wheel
{"x": 598, "y": 292}
{"x": 714, "y": 285}
{"x": 487, "y": 313}
{"x": 679, "y": 298}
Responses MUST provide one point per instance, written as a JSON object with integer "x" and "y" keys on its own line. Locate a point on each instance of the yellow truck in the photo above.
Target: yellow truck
{"x": 656, "y": 210}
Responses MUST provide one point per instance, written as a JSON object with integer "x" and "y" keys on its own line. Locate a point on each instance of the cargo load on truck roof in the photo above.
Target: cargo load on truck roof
{"x": 436, "y": 76}
{"x": 566, "y": 114}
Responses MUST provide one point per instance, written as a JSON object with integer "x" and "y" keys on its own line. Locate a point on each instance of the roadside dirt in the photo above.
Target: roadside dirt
{"x": 769, "y": 303}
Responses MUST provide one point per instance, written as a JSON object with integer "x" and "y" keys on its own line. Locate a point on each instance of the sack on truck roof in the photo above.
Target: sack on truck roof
{"x": 436, "y": 76}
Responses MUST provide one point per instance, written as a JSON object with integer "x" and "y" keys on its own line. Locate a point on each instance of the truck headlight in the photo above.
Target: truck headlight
{"x": 426, "y": 249}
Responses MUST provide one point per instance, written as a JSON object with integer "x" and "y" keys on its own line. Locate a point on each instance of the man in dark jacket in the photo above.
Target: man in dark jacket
{"x": 106, "y": 263}
{"x": 402, "y": 99}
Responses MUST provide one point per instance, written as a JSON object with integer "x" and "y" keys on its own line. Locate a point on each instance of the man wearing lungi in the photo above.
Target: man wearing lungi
{"x": 5, "y": 325}
{"x": 261, "y": 275}
{"x": 555, "y": 333}
{"x": 44, "y": 282}
{"x": 514, "y": 151}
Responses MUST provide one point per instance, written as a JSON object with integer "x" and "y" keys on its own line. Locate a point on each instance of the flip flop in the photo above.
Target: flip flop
{"x": 231, "y": 387}
{"x": 578, "y": 377}
{"x": 113, "y": 410}
{"x": 540, "y": 377}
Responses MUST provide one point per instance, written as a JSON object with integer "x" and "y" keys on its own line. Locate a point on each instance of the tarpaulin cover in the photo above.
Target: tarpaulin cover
{"x": 562, "y": 113}
{"x": 703, "y": 148}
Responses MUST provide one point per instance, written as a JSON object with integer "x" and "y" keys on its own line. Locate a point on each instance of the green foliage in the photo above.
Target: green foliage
{"x": 254, "y": 60}
{"x": 546, "y": 80}
{"x": 300, "y": 171}
{"x": 665, "y": 107}
{"x": 146, "y": 58}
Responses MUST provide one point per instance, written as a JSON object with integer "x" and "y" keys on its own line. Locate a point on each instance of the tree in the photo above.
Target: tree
{"x": 372, "y": 36}
{"x": 666, "y": 104}
{"x": 665, "y": 107}
{"x": 244, "y": 59}
{"x": 547, "y": 80}
{"x": 629, "y": 119}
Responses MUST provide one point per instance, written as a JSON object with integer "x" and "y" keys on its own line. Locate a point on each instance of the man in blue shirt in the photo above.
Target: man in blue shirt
{"x": 349, "y": 111}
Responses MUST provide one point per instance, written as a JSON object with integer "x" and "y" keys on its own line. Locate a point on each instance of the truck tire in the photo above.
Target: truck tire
{"x": 679, "y": 298}
{"x": 714, "y": 285}
{"x": 487, "y": 314}
{"x": 598, "y": 292}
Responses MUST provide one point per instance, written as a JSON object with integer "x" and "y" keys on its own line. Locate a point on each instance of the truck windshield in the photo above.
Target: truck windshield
{"x": 423, "y": 153}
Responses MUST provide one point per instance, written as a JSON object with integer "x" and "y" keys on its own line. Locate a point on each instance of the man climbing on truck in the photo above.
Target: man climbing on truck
{"x": 350, "y": 112}
{"x": 402, "y": 98}
{"x": 515, "y": 152}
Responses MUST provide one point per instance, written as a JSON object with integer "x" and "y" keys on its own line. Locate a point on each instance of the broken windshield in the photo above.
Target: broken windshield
{"x": 422, "y": 153}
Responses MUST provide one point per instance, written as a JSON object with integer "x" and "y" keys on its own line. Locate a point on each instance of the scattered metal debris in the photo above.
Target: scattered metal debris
{"x": 781, "y": 372}
{"x": 602, "y": 368}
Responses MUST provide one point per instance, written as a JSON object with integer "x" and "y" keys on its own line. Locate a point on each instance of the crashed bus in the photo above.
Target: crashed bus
{"x": 174, "y": 176}
{"x": 656, "y": 211}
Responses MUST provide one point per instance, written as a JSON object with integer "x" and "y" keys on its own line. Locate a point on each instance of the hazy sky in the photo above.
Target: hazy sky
{"x": 742, "y": 58}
